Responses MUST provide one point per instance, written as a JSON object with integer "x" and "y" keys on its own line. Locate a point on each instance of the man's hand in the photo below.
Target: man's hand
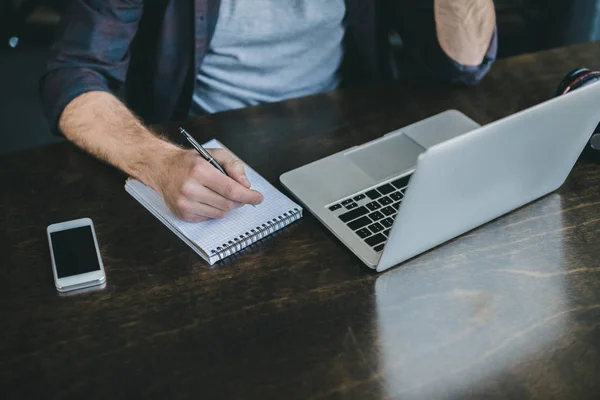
{"x": 197, "y": 191}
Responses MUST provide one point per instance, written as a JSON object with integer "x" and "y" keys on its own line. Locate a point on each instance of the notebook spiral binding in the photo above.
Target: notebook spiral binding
{"x": 248, "y": 238}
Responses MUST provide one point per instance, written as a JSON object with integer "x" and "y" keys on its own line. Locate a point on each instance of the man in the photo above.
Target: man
{"x": 167, "y": 59}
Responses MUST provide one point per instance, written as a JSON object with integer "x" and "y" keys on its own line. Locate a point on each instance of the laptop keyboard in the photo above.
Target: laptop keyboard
{"x": 370, "y": 214}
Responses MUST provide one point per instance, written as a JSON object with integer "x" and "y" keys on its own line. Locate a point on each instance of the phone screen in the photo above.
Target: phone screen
{"x": 74, "y": 251}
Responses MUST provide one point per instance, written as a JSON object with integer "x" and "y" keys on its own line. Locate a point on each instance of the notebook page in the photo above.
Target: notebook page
{"x": 209, "y": 235}
{"x": 162, "y": 219}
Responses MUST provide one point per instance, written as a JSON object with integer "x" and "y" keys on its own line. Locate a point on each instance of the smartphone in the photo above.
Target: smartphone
{"x": 76, "y": 261}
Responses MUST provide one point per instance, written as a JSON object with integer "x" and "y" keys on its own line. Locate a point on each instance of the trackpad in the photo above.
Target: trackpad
{"x": 386, "y": 157}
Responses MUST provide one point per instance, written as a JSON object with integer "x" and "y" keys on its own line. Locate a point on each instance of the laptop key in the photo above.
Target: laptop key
{"x": 389, "y": 210}
{"x": 346, "y": 202}
{"x": 402, "y": 182}
{"x": 376, "y": 216}
{"x": 359, "y": 223}
{"x": 376, "y": 227}
{"x": 384, "y": 201}
{"x": 396, "y": 205}
{"x": 351, "y": 206}
{"x": 373, "y": 206}
{"x": 397, "y": 196}
{"x": 335, "y": 207}
{"x": 386, "y": 189}
{"x": 375, "y": 239}
{"x": 350, "y": 215}
{"x": 386, "y": 232}
{"x": 379, "y": 247}
{"x": 387, "y": 222}
{"x": 359, "y": 197}
{"x": 363, "y": 233}
{"x": 373, "y": 194}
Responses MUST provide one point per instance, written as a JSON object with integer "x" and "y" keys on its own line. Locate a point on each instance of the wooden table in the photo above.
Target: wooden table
{"x": 510, "y": 310}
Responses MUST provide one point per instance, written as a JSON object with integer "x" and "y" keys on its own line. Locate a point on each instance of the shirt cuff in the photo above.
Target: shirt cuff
{"x": 472, "y": 74}
{"x": 59, "y": 87}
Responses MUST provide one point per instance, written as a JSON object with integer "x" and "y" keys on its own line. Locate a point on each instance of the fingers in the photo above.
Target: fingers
{"x": 224, "y": 185}
{"x": 197, "y": 212}
{"x": 194, "y": 211}
{"x": 233, "y": 166}
{"x": 231, "y": 189}
{"x": 197, "y": 193}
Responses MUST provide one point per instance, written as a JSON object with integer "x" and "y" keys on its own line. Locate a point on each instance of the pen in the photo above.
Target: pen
{"x": 205, "y": 154}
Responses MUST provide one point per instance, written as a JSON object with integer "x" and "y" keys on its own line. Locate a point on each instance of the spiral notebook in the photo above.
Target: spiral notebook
{"x": 216, "y": 239}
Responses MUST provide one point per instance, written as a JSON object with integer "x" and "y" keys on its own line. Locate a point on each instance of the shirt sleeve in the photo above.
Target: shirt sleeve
{"x": 416, "y": 27}
{"x": 90, "y": 52}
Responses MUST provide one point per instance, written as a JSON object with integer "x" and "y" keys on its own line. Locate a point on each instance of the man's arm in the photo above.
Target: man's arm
{"x": 99, "y": 123}
{"x": 450, "y": 40}
{"x": 90, "y": 52}
{"x": 465, "y": 28}
{"x": 89, "y": 59}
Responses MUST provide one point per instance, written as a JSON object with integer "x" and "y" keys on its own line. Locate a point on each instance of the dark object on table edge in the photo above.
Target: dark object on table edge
{"x": 575, "y": 79}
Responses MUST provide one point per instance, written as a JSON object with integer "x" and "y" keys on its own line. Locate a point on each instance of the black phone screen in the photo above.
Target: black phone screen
{"x": 74, "y": 251}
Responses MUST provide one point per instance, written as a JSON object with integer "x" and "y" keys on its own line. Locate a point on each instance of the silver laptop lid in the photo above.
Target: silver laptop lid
{"x": 476, "y": 177}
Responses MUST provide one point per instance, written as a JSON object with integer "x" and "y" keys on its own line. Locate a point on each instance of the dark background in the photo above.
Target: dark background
{"x": 523, "y": 26}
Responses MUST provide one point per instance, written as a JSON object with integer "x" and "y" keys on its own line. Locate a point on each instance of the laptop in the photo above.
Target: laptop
{"x": 415, "y": 188}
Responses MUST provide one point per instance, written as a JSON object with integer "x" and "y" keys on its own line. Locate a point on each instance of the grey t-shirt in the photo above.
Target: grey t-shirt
{"x": 270, "y": 50}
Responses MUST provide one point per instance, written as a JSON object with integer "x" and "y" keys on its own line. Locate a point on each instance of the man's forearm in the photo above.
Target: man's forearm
{"x": 100, "y": 124}
{"x": 465, "y": 28}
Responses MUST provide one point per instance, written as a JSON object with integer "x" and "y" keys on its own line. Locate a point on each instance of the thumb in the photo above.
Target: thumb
{"x": 233, "y": 166}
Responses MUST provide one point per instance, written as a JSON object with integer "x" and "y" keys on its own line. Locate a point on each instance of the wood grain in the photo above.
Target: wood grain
{"x": 508, "y": 311}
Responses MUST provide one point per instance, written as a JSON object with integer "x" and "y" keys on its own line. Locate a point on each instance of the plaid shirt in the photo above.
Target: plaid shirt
{"x": 148, "y": 51}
